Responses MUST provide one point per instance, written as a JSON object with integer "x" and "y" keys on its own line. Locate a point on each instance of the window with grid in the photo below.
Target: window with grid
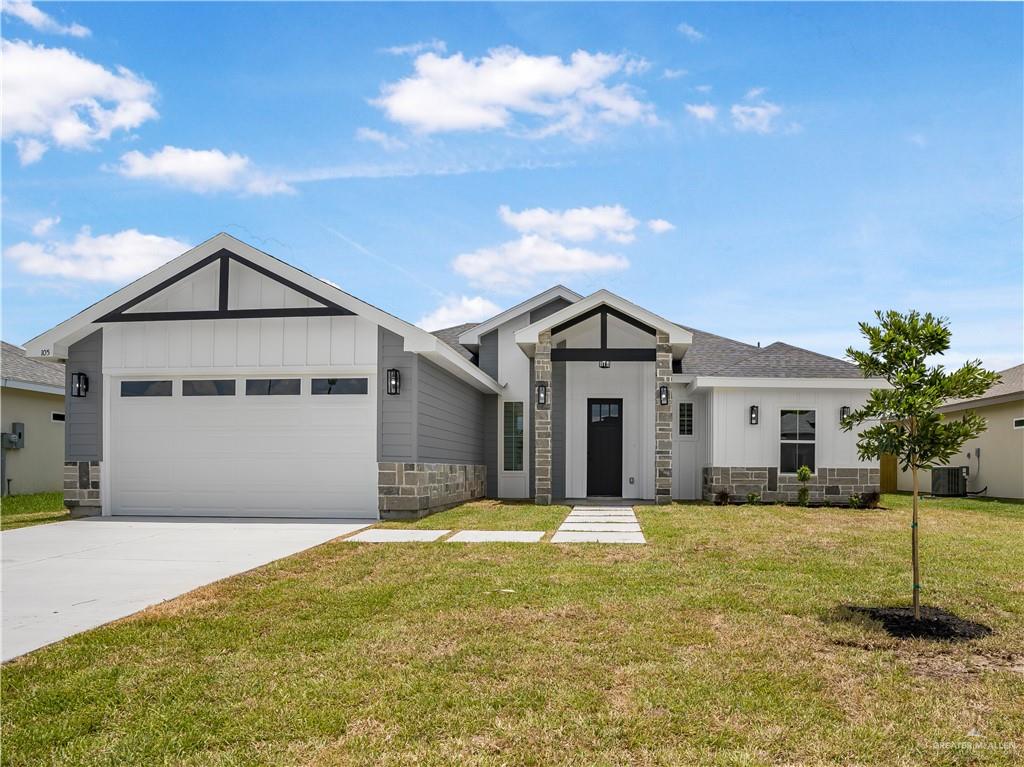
{"x": 797, "y": 440}
{"x": 686, "y": 419}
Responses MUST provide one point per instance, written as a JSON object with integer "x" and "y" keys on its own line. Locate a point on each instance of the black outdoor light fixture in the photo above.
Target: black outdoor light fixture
{"x": 542, "y": 393}
{"x": 604, "y": 364}
{"x": 394, "y": 381}
{"x": 79, "y": 384}
{"x": 663, "y": 394}
{"x": 844, "y": 413}
{"x": 753, "y": 415}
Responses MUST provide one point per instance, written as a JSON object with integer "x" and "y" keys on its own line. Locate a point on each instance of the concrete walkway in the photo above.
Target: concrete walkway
{"x": 66, "y": 577}
{"x": 600, "y": 524}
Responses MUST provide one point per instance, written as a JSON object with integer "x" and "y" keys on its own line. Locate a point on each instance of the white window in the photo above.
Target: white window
{"x": 797, "y": 440}
{"x": 513, "y": 436}
{"x": 685, "y": 419}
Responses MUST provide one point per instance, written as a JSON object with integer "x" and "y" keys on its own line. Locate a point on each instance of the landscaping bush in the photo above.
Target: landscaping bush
{"x": 753, "y": 497}
{"x": 722, "y": 497}
{"x": 803, "y": 475}
{"x": 856, "y": 502}
{"x": 871, "y": 500}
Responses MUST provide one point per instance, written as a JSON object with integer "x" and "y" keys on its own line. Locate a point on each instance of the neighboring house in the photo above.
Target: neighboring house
{"x": 32, "y": 410}
{"x": 227, "y": 382}
{"x": 996, "y": 458}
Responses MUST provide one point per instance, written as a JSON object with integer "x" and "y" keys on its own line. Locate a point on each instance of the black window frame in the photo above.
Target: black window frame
{"x": 58, "y": 417}
{"x": 359, "y": 386}
{"x": 228, "y": 383}
{"x": 798, "y": 450}
{"x": 686, "y": 419}
{"x": 133, "y": 388}
{"x": 253, "y": 384}
{"x": 517, "y": 458}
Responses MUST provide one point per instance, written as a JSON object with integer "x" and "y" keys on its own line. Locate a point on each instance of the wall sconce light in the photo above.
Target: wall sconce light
{"x": 542, "y": 393}
{"x": 844, "y": 413}
{"x": 604, "y": 364}
{"x": 754, "y": 415}
{"x": 663, "y": 394}
{"x": 394, "y": 381}
{"x": 79, "y": 384}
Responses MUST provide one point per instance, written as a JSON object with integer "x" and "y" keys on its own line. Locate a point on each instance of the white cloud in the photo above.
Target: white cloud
{"x": 385, "y": 141}
{"x": 40, "y": 21}
{"x": 918, "y": 139}
{"x": 556, "y": 97}
{"x": 201, "y": 170}
{"x": 52, "y": 95}
{"x": 703, "y": 112}
{"x": 703, "y": 88}
{"x": 660, "y": 225}
{"x": 690, "y": 33}
{"x": 755, "y": 93}
{"x": 613, "y": 222}
{"x": 674, "y": 74}
{"x": 756, "y": 118}
{"x": 44, "y": 225}
{"x": 455, "y": 310}
{"x": 104, "y": 258}
{"x": 514, "y": 265}
{"x": 438, "y": 46}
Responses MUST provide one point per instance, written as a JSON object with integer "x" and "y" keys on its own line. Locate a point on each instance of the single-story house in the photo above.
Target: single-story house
{"x": 228, "y": 382}
{"x": 32, "y": 406}
{"x": 995, "y": 460}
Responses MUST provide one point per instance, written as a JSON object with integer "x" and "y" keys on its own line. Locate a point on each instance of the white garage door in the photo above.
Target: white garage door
{"x": 256, "y": 452}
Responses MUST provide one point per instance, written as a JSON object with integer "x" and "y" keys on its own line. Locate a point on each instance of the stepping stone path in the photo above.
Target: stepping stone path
{"x": 600, "y": 524}
{"x": 585, "y": 524}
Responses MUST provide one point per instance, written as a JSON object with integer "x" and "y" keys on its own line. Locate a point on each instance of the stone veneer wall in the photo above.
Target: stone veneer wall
{"x": 414, "y": 490}
{"x": 542, "y": 420}
{"x": 826, "y": 485}
{"x": 82, "y": 487}
{"x": 662, "y": 422}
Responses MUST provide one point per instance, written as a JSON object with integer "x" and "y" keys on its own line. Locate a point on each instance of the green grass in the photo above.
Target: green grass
{"x": 719, "y": 643}
{"x": 35, "y": 509}
{"x": 490, "y": 515}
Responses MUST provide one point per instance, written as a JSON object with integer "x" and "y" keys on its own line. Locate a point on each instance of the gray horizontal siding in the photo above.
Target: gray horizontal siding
{"x": 449, "y": 419}
{"x": 396, "y": 433}
{"x": 83, "y": 424}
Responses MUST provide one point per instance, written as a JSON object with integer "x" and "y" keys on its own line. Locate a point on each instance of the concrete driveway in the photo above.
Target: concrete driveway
{"x": 63, "y": 578}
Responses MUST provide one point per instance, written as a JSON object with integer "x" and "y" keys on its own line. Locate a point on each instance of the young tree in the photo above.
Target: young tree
{"x": 907, "y": 425}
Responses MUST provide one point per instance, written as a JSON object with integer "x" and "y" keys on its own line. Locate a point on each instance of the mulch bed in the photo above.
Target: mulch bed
{"x": 935, "y": 623}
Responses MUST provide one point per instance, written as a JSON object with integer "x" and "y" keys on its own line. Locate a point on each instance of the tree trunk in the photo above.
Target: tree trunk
{"x": 914, "y": 554}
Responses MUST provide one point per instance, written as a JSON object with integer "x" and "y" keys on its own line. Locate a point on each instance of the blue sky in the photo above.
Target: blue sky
{"x": 766, "y": 172}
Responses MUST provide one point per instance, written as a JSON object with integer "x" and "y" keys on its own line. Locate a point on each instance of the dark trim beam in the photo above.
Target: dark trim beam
{"x": 597, "y": 355}
{"x": 222, "y": 312}
{"x": 604, "y": 310}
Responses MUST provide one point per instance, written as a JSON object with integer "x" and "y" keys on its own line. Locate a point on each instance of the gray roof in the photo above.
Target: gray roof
{"x": 1012, "y": 383}
{"x": 451, "y": 337}
{"x": 779, "y": 360}
{"x": 15, "y": 365}
{"x": 709, "y": 353}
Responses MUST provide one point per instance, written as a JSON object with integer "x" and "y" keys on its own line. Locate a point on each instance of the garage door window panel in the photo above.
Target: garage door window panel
{"x": 273, "y": 386}
{"x": 340, "y": 386}
{"x": 208, "y": 388}
{"x": 145, "y": 388}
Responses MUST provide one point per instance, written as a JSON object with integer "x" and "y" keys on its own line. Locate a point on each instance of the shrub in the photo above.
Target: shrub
{"x": 722, "y": 497}
{"x": 753, "y": 497}
{"x": 856, "y": 502}
{"x": 803, "y": 476}
{"x": 871, "y": 500}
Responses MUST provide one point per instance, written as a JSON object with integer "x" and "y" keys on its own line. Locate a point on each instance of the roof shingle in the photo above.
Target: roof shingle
{"x": 15, "y": 365}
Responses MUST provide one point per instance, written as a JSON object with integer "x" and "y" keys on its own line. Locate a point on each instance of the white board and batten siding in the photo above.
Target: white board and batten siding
{"x": 297, "y": 456}
{"x": 737, "y": 443}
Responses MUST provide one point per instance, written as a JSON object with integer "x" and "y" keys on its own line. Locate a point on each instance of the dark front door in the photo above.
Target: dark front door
{"x": 604, "y": 447}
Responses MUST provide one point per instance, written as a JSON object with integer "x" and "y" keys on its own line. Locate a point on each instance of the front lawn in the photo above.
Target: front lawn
{"x": 720, "y": 642}
{"x": 35, "y": 509}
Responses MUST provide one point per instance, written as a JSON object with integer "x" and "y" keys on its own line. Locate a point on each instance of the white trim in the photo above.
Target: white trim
{"x": 472, "y": 336}
{"x": 10, "y": 383}
{"x": 973, "y": 404}
{"x": 54, "y": 343}
{"x": 678, "y": 337}
{"x": 105, "y": 488}
{"x": 692, "y": 436}
{"x": 858, "y": 384}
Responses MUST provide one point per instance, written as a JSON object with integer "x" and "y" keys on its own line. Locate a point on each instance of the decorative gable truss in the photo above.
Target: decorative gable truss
{"x": 224, "y": 286}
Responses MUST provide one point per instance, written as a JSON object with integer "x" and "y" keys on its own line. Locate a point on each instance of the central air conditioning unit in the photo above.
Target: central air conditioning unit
{"x": 950, "y": 481}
